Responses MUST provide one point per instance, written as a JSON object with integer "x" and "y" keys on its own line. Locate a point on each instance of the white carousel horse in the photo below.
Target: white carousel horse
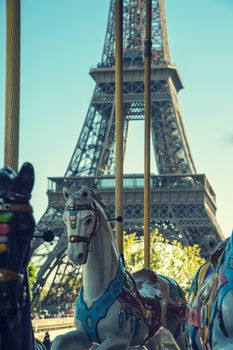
{"x": 114, "y": 309}
{"x": 210, "y": 323}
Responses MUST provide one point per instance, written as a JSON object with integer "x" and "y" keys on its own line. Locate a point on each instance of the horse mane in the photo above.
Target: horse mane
{"x": 217, "y": 256}
{"x": 98, "y": 198}
{"x": 83, "y": 197}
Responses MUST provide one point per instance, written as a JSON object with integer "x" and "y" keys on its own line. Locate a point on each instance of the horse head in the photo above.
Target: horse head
{"x": 16, "y": 232}
{"x": 81, "y": 217}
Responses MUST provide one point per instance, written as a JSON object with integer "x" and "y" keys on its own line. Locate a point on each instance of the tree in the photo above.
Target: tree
{"x": 32, "y": 275}
{"x": 169, "y": 259}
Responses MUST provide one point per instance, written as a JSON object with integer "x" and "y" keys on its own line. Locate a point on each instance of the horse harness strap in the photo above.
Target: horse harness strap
{"x": 80, "y": 207}
{"x": 7, "y": 275}
{"x": 16, "y": 207}
{"x": 77, "y": 239}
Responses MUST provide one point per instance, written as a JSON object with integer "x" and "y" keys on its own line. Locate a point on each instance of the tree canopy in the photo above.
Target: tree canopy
{"x": 32, "y": 276}
{"x": 169, "y": 259}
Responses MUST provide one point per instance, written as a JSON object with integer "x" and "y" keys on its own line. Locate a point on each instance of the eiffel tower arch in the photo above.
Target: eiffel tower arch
{"x": 182, "y": 201}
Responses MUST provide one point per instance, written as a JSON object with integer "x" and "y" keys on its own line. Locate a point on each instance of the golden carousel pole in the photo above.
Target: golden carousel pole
{"x": 11, "y": 147}
{"x": 147, "y": 108}
{"x": 119, "y": 122}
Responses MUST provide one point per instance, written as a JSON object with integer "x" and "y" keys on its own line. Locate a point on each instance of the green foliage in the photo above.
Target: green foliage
{"x": 68, "y": 290}
{"x": 74, "y": 286}
{"x": 169, "y": 259}
{"x": 32, "y": 275}
{"x": 43, "y": 294}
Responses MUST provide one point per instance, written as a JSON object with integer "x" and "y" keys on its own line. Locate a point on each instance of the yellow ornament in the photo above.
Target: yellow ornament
{"x": 3, "y": 248}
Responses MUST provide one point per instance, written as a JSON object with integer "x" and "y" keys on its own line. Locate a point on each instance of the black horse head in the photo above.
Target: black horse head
{"x": 16, "y": 232}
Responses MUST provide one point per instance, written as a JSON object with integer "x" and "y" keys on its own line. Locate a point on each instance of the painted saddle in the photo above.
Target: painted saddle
{"x": 143, "y": 295}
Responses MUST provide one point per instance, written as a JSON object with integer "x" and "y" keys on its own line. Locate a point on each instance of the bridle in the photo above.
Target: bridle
{"x": 73, "y": 210}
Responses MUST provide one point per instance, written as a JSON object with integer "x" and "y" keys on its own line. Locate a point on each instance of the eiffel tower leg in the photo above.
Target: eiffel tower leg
{"x": 104, "y": 166}
{"x": 170, "y": 143}
{"x": 95, "y": 142}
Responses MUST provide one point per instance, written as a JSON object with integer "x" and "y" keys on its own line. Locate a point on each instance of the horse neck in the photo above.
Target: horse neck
{"x": 102, "y": 263}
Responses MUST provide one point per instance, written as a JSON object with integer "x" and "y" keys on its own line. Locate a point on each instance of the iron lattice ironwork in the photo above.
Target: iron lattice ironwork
{"x": 182, "y": 202}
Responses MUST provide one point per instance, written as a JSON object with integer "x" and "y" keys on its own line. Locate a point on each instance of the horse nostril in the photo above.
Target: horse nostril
{"x": 80, "y": 256}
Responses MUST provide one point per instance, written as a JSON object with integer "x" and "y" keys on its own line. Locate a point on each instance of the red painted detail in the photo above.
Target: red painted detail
{"x": 4, "y": 229}
{"x": 73, "y": 217}
{"x": 193, "y": 317}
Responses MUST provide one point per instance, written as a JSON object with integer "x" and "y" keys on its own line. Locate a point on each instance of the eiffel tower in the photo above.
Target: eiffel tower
{"x": 182, "y": 201}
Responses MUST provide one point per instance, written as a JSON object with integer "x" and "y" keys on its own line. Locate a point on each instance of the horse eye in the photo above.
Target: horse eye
{"x": 88, "y": 221}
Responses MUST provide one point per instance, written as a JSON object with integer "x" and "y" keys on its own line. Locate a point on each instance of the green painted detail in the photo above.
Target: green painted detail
{"x": 5, "y": 217}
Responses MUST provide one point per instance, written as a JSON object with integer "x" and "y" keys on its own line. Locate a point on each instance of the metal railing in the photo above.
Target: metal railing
{"x": 132, "y": 181}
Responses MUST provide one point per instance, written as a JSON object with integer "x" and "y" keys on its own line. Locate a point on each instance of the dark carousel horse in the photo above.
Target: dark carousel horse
{"x": 210, "y": 325}
{"x": 16, "y": 233}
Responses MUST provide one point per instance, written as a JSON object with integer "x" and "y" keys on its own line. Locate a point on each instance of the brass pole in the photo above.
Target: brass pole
{"x": 119, "y": 121}
{"x": 147, "y": 107}
{"x": 11, "y": 149}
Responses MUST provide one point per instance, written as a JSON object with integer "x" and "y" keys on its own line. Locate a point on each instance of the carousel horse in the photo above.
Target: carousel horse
{"x": 16, "y": 232}
{"x": 210, "y": 303}
{"x": 114, "y": 310}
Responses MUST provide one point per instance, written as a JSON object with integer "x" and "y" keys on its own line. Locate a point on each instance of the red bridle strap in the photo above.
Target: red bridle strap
{"x": 77, "y": 239}
{"x": 16, "y": 207}
{"x": 7, "y": 275}
{"x": 80, "y": 207}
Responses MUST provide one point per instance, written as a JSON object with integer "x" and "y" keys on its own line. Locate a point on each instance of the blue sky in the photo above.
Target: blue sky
{"x": 62, "y": 39}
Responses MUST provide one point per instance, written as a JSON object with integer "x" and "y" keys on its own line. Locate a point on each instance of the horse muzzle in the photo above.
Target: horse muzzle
{"x": 78, "y": 258}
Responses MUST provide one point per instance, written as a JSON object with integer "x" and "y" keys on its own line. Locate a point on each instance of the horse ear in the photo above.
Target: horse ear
{"x": 85, "y": 193}
{"x": 212, "y": 242}
{"x": 66, "y": 193}
{"x": 25, "y": 177}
